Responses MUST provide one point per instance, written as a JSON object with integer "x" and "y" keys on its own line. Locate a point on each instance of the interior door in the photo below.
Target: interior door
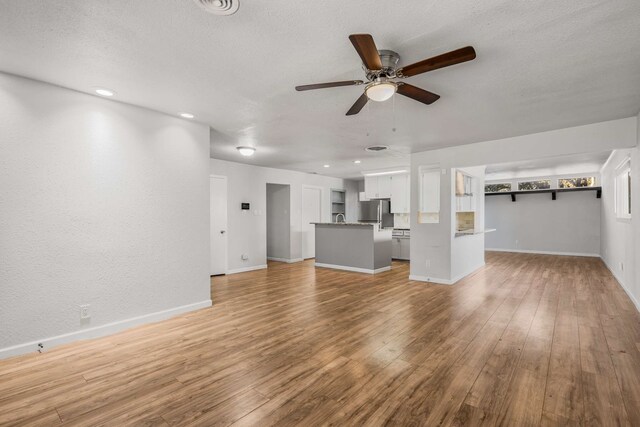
{"x": 311, "y": 205}
{"x": 218, "y": 224}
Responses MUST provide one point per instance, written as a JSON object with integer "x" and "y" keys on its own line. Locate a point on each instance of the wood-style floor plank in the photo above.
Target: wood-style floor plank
{"x": 527, "y": 340}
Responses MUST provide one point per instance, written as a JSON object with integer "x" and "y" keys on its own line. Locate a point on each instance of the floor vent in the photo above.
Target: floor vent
{"x": 219, "y": 7}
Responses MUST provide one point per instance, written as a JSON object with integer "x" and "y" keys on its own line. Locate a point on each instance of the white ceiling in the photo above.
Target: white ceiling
{"x": 541, "y": 65}
{"x": 548, "y": 166}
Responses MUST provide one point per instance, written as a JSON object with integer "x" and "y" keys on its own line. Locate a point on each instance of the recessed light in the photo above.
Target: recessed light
{"x": 357, "y": 162}
{"x": 104, "y": 92}
{"x": 327, "y": 166}
{"x": 186, "y": 115}
{"x": 246, "y": 151}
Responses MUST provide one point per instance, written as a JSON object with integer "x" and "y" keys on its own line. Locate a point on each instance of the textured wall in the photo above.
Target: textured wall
{"x": 101, "y": 203}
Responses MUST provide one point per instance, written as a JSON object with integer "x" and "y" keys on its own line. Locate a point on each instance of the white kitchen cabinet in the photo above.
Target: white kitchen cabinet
{"x": 400, "y": 194}
{"x": 404, "y": 249}
{"x": 400, "y": 248}
{"x": 395, "y": 247}
{"x": 377, "y": 187}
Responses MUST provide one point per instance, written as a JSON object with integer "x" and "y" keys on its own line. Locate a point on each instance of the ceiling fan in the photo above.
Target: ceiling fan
{"x": 381, "y": 68}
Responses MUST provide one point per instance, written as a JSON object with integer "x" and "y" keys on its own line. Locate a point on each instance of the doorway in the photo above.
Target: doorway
{"x": 311, "y": 212}
{"x": 218, "y": 224}
{"x": 278, "y": 222}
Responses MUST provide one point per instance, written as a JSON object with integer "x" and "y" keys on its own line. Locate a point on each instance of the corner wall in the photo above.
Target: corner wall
{"x": 101, "y": 203}
{"x": 621, "y": 237}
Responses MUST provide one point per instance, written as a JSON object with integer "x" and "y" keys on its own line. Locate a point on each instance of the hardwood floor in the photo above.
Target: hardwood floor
{"x": 528, "y": 340}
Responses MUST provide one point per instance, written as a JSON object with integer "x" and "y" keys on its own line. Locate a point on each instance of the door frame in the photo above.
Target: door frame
{"x": 226, "y": 242}
{"x": 311, "y": 187}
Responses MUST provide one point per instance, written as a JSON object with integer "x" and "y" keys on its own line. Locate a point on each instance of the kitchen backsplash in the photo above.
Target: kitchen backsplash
{"x": 465, "y": 221}
{"x": 401, "y": 221}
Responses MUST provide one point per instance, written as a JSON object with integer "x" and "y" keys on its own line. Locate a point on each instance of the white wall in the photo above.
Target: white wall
{"x": 278, "y": 221}
{"x": 247, "y": 230}
{"x": 620, "y": 247}
{"x": 568, "y": 225}
{"x": 101, "y": 203}
{"x": 467, "y": 252}
{"x": 434, "y": 241}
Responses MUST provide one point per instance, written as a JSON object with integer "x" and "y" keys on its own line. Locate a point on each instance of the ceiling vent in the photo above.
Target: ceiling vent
{"x": 219, "y": 7}
{"x": 377, "y": 148}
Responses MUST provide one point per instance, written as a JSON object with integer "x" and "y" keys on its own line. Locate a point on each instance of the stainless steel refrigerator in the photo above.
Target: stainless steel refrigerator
{"x": 378, "y": 211}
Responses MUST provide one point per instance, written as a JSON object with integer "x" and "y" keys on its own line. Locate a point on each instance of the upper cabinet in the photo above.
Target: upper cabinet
{"x": 465, "y": 192}
{"x": 400, "y": 193}
{"x": 377, "y": 187}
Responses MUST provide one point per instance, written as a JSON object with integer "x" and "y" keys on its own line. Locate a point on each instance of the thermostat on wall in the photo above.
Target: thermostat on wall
{"x": 245, "y": 206}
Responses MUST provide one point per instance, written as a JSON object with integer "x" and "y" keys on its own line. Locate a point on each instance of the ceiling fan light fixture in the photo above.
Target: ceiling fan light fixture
{"x": 380, "y": 91}
{"x": 246, "y": 151}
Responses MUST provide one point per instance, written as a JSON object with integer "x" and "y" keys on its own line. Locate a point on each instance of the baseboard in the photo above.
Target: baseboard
{"x": 622, "y": 285}
{"x": 100, "y": 331}
{"x": 430, "y": 279}
{"x": 245, "y": 269}
{"x": 287, "y": 260}
{"x": 354, "y": 269}
{"x": 527, "y": 251}
{"x": 420, "y": 278}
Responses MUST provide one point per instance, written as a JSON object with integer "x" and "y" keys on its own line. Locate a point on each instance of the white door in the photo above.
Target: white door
{"x": 311, "y": 204}
{"x": 218, "y": 224}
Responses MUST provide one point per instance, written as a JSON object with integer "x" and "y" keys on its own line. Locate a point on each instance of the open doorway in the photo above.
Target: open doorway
{"x": 278, "y": 222}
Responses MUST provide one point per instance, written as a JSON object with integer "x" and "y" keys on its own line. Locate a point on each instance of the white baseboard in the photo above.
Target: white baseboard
{"x": 100, "y": 331}
{"x": 245, "y": 269}
{"x": 527, "y": 251}
{"x": 354, "y": 269}
{"x": 430, "y": 279}
{"x": 622, "y": 285}
{"x": 438, "y": 281}
{"x": 287, "y": 260}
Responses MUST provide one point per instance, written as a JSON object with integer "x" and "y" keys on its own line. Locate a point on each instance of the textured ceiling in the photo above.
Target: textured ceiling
{"x": 562, "y": 165}
{"x": 541, "y": 65}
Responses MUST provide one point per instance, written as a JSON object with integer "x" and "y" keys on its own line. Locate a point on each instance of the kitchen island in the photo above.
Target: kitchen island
{"x": 353, "y": 246}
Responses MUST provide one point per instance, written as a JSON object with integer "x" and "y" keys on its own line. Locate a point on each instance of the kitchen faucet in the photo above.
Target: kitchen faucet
{"x": 343, "y": 218}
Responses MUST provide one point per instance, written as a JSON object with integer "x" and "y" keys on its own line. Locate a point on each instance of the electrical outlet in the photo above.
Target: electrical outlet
{"x": 622, "y": 266}
{"x": 517, "y": 241}
{"x": 85, "y": 312}
{"x": 428, "y": 264}
{"x": 244, "y": 257}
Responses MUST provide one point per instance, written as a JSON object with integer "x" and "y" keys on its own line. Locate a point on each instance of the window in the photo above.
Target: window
{"x": 429, "y": 205}
{"x": 497, "y": 188}
{"x": 623, "y": 190}
{"x": 542, "y": 184}
{"x": 586, "y": 181}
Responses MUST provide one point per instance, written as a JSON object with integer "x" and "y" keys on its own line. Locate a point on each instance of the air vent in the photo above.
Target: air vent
{"x": 219, "y": 7}
{"x": 377, "y": 148}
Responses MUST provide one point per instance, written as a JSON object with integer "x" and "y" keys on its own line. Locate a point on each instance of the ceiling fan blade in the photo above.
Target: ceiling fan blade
{"x": 359, "y": 104}
{"x": 446, "y": 59}
{"x": 416, "y": 93}
{"x": 332, "y": 84}
{"x": 366, "y": 48}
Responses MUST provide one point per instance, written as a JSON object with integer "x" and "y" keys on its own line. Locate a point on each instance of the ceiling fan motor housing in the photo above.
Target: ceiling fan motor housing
{"x": 390, "y": 60}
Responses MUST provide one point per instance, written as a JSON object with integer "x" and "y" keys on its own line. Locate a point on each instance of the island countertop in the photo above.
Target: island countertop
{"x": 365, "y": 224}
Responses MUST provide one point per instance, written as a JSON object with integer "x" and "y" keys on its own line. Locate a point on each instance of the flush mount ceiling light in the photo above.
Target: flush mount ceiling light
{"x": 246, "y": 151}
{"x": 104, "y": 92}
{"x": 327, "y": 166}
{"x": 380, "y": 90}
{"x": 357, "y": 162}
{"x": 186, "y": 115}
